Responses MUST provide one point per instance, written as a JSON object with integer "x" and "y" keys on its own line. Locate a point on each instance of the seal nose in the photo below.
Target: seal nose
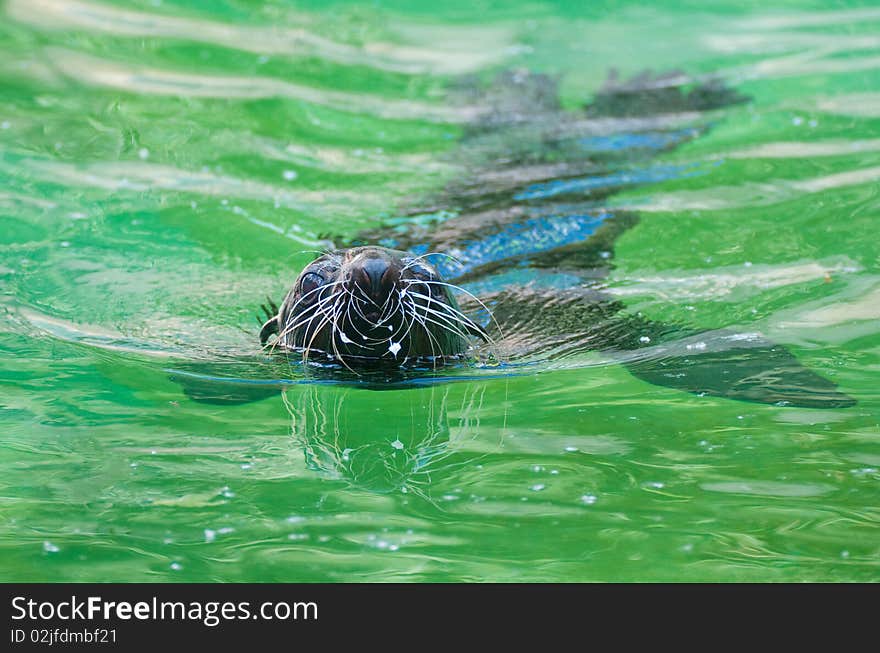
{"x": 372, "y": 277}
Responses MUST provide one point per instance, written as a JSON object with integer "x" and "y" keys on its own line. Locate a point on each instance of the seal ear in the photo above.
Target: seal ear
{"x": 269, "y": 328}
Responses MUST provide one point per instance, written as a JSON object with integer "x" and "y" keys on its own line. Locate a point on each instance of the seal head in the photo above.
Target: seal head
{"x": 365, "y": 305}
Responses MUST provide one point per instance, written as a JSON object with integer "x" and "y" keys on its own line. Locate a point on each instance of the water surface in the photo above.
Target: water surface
{"x": 163, "y": 168}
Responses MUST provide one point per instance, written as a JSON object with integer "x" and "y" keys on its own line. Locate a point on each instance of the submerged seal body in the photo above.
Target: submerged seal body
{"x": 528, "y": 232}
{"x": 371, "y": 305}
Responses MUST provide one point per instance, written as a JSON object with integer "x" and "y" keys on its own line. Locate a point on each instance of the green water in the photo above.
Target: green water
{"x": 163, "y": 167}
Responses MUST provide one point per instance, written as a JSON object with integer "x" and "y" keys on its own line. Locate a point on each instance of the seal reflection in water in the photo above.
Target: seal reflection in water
{"x": 421, "y": 431}
{"x": 371, "y": 305}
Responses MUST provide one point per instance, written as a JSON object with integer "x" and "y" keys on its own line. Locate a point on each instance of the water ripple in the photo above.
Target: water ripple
{"x": 769, "y": 488}
{"x": 749, "y": 194}
{"x": 490, "y": 46}
{"x": 154, "y": 81}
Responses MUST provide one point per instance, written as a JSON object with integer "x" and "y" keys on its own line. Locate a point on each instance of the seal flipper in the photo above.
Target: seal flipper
{"x": 648, "y": 94}
{"x": 720, "y": 363}
{"x": 220, "y": 391}
{"x": 745, "y": 367}
{"x": 229, "y": 381}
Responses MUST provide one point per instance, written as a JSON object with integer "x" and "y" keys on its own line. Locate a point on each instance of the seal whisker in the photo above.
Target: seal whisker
{"x": 387, "y": 307}
{"x": 458, "y": 315}
{"x": 472, "y": 296}
{"x": 315, "y": 309}
{"x": 357, "y": 308}
{"x": 334, "y": 330}
{"x": 308, "y": 347}
{"x": 319, "y": 310}
{"x": 363, "y": 295}
{"x": 424, "y": 256}
{"x": 448, "y": 319}
{"x": 431, "y": 339}
{"x": 319, "y": 289}
{"x": 347, "y": 317}
{"x": 287, "y": 329}
{"x": 445, "y": 326}
{"x": 407, "y": 313}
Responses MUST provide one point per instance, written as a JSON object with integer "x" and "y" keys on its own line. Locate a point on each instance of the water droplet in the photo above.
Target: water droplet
{"x": 537, "y": 487}
{"x": 210, "y": 535}
{"x": 176, "y": 566}
{"x": 48, "y": 547}
{"x": 644, "y": 340}
{"x": 588, "y": 499}
{"x": 289, "y": 175}
{"x": 144, "y": 154}
{"x": 397, "y": 444}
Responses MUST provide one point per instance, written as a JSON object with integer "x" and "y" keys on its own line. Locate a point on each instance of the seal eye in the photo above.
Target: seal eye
{"x": 421, "y": 272}
{"x": 309, "y": 283}
{"x": 426, "y": 275}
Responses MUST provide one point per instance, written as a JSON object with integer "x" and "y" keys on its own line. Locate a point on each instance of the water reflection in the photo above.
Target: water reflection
{"x": 390, "y": 446}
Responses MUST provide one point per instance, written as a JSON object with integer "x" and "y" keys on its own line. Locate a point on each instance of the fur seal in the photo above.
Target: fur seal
{"x": 368, "y": 306}
{"x": 529, "y": 230}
